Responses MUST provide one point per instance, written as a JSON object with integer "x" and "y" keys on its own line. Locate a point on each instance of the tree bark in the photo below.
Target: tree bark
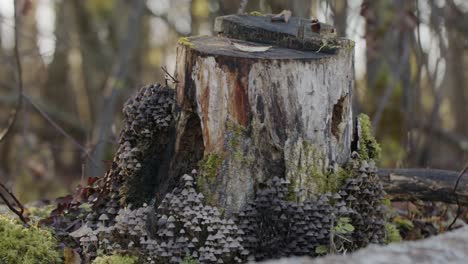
{"x": 282, "y": 112}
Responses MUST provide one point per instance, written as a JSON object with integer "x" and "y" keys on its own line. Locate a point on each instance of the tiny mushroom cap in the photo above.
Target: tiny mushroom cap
{"x": 82, "y": 231}
{"x": 103, "y": 217}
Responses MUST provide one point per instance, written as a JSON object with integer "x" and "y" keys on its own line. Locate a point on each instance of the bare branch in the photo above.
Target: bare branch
{"x": 60, "y": 129}
{"x": 19, "y": 212}
{"x": 19, "y": 78}
{"x": 459, "y": 211}
{"x": 168, "y": 75}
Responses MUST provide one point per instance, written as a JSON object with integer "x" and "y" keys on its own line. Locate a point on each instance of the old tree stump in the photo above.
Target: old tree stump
{"x": 282, "y": 112}
{"x": 254, "y": 155}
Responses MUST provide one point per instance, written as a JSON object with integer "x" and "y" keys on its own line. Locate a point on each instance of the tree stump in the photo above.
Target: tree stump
{"x": 251, "y": 111}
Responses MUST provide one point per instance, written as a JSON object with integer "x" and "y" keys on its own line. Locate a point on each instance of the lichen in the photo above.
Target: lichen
{"x": 368, "y": 146}
{"x": 391, "y": 233}
{"x": 256, "y": 13}
{"x": 186, "y": 42}
{"x": 20, "y": 245}
{"x": 115, "y": 259}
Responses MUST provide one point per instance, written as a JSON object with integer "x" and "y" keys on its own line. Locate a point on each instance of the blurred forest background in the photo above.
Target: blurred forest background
{"x": 81, "y": 59}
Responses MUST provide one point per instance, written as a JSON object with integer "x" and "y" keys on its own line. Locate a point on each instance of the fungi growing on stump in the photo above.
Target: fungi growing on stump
{"x": 255, "y": 154}
{"x": 265, "y": 111}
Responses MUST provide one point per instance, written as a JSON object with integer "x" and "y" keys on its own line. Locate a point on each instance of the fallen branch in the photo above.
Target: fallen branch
{"x": 19, "y": 211}
{"x": 450, "y": 247}
{"x": 424, "y": 184}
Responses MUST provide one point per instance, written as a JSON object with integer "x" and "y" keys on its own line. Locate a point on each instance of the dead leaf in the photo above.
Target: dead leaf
{"x": 81, "y": 232}
{"x": 71, "y": 256}
{"x": 284, "y": 16}
{"x": 251, "y": 48}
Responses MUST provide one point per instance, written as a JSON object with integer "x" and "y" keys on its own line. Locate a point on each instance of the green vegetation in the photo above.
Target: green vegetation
{"x": 368, "y": 146}
{"x": 209, "y": 167}
{"x": 115, "y": 259}
{"x": 186, "y": 42}
{"x": 343, "y": 226}
{"x": 308, "y": 164}
{"x": 391, "y": 233}
{"x": 21, "y": 245}
{"x": 256, "y": 13}
{"x": 189, "y": 260}
{"x": 402, "y": 223}
{"x": 321, "y": 250}
{"x": 237, "y": 135}
{"x": 38, "y": 213}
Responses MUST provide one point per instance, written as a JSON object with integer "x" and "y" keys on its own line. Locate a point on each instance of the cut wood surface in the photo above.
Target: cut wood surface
{"x": 296, "y": 33}
{"x": 424, "y": 184}
{"x": 451, "y": 247}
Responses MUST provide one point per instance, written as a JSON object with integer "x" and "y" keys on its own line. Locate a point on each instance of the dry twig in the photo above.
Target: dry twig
{"x": 456, "y": 196}
{"x": 18, "y": 211}
{"x": 174, "y": 80}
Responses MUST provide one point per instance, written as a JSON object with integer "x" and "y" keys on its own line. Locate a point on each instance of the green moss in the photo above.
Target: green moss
{"x": 189, "y": 260}
{"x": 186, "y": 42}
{"x": 38, "y": 213}
{"x": 115, "y": 259}
{"x": 402, "y": 223}
{"x": 20, "y": 245}
{"x": 209, "y": 168}
{"x": 307, "y": 169}
{"x": 391, "y": 233}
{"x": 256, "y": 13}
{"x": 368, "y": 146}
{"x": 210, "y": 165}
{"x": 292, "y": 194}
{"x": 236, "y": 141}
{"x": 332, "y": 181}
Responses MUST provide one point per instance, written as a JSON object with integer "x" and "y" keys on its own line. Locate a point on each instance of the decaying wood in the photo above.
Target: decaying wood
{"x": 262, "y": 110}
{"x": 424, "y": 184}
{"x": 451, "y": 247}
{"x": 296, "y": 33}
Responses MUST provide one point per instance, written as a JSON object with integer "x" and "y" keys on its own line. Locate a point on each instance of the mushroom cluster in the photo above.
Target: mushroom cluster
{"x": 272, "y": 225}
{"x": 128, "y": 231}
{"x": 191, "y": 229}
{"x": 182, "y": 226}
{"x": 364, "y": 194}
{"x": 147, "y": 118}
{"x": 275, "y": 227}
